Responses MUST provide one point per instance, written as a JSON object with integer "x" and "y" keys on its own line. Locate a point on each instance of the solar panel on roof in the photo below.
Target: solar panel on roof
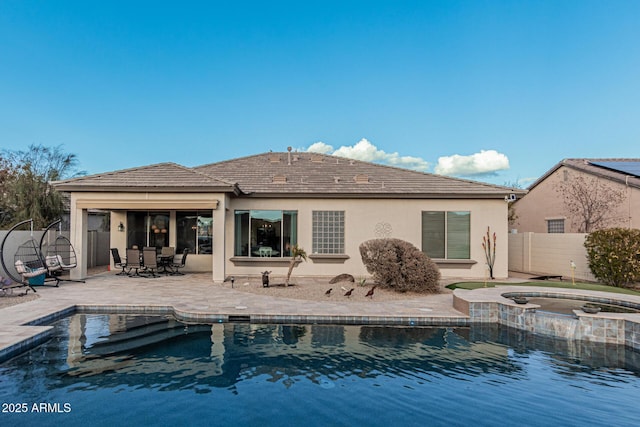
{"x": 630, "y": 168}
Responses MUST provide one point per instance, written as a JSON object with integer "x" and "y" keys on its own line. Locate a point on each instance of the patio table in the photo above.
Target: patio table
{"x": 164, "y": 262}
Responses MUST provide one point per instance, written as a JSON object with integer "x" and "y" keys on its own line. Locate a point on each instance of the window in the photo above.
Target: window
{"x": 265, "y": 233}
{"x": 328, "y": 232}
{"x": 446, "y": 235}
{"x": 147, "y": 229}
{"x": 194, "y": 231}
{"x": 555, "y": 226}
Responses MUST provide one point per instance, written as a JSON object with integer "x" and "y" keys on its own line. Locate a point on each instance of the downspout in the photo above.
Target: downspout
{"x": 626, "y": 181}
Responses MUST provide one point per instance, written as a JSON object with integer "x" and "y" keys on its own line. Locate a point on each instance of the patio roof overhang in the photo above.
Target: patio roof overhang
{"x": 144, "y": 201}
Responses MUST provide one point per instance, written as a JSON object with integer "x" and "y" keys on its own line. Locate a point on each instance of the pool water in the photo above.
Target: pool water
{"x": 566, "y": 306}
{"x": 128, "y": 370}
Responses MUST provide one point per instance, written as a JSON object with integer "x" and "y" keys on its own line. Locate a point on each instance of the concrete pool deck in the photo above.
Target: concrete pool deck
{"x": 195, "y": 298}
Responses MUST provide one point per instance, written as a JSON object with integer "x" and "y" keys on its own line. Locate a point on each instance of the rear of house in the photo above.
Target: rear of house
{"x": 242, "y": 216}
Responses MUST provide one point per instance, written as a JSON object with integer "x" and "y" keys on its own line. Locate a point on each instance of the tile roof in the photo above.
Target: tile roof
{"x": 161, "y": 177}
{"x": 288, "y": 174}
{"x": 317, "y": 175}
{"x": 588, "y": 166}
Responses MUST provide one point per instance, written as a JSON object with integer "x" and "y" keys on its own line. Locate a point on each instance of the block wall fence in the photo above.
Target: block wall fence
{"x": 549, "y": 254}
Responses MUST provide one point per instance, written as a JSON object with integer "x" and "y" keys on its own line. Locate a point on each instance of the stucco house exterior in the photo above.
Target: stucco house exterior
{"x": 542, "y": 209}
{"x": 241, "y": 216}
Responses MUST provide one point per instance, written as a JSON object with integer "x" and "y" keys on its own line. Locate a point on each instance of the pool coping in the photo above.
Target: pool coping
{"x": 38, "y": 330}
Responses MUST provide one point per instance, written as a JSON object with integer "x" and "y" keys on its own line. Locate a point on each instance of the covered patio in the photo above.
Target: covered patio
{"x": 155, "y": 206}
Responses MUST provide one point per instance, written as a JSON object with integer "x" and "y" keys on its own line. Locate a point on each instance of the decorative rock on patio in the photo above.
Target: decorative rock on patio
{"x": 344, "y": 277}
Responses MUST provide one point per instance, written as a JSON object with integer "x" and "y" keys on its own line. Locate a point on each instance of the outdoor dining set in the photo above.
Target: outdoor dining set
{"x": 149, "y": 262}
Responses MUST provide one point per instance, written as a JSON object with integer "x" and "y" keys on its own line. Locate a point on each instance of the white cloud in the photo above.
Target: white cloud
{"x": 366, "y": 151}
{"x": 319, "y": 147}
{"x": 483, "y": 163}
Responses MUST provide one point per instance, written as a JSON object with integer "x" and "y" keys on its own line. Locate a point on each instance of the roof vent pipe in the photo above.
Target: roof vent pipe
{"x": 289, "y": 156}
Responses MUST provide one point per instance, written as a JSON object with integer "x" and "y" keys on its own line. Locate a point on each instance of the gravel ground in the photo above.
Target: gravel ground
{"x": 310, "y": 289}
{"x": 315, "y": 290}
{"x": 16, "y": 297}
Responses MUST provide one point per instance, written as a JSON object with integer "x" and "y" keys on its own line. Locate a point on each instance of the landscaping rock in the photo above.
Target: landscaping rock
{"x": 344, "y": 277}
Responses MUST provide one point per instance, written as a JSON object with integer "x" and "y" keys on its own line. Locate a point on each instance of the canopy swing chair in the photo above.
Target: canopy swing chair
{"x": 59, "y": 255}
{"x": 28, "y": 268}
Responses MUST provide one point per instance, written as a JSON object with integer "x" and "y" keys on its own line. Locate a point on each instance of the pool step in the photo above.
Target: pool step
{"x": 139, "y": 337}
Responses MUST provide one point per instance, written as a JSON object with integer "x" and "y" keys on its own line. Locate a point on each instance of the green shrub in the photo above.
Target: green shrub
{"x": 613, "y": 255}
{"x": 398, "y": 265}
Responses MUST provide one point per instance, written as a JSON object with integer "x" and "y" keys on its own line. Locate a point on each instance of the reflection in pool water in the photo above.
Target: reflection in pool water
{"x": 157, "y": 371}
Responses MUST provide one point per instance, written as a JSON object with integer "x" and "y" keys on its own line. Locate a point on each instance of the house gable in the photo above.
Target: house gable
{"x": 543, "y": 204}
{"x": 600, "y": 168}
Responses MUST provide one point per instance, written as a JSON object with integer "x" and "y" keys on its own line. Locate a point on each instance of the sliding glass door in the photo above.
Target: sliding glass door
{"x": 147, "y": 229}
{"x": 194, "y": 232}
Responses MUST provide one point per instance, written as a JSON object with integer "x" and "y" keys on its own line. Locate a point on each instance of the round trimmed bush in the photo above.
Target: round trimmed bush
{"x": 614, "y": 255}
{"x": 398, "y": 265}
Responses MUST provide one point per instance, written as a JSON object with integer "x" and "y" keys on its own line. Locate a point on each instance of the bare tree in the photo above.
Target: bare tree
{"x": 512, "y": 216}
{"x": 591, "y": 203}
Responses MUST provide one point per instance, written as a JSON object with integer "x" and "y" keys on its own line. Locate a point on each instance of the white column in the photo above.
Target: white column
{"x": 79, "y": 240}
{"x": 219, "y": 239}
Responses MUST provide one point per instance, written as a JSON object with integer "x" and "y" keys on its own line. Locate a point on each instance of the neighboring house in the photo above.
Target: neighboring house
{"x": 543, "y": 208}
{"x": 241, "y": 216}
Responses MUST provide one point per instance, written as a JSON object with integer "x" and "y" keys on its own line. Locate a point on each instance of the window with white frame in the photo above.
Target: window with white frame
{"x": 328, "y": 232}
{"x": 555, "y": 226}
{"x": 265, "y": 233}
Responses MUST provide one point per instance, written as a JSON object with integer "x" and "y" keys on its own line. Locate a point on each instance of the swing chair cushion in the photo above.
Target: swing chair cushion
{"x": 34, "y": 276}
{"x": 65, "y": 266}
{"x": 52, "y": 262}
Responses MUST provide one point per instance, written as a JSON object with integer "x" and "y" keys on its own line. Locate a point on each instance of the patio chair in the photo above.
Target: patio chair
{"x": 30, "y": 265}
{"x": 59, "y": 256}
{"x": 117, "y": 261}
{"x": 150, "y": 261}
{"x": 28, "y": 274}
{"x": 54, "y": 269}
{"x": 175, "y": 267}
{"x": 265, "y": 251}
{"x": 133, "y": 262}
{"x": 167, "y": 251}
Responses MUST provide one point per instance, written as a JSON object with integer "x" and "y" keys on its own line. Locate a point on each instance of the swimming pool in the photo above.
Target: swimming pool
{"x": 115, "y": 369}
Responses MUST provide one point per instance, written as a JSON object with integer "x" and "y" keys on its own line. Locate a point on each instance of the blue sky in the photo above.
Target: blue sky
{"x": 496, "y": 91}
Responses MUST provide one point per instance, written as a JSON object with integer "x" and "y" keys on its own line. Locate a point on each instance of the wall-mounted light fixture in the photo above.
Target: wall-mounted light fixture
{"x": 121, "y": 227}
